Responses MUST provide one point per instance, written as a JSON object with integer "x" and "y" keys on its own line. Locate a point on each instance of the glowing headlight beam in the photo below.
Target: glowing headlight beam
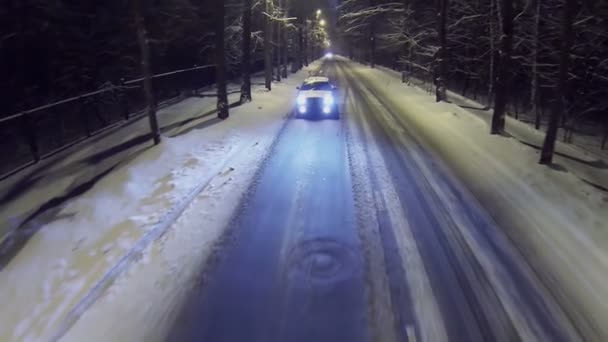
{"x": 301, "y": 100}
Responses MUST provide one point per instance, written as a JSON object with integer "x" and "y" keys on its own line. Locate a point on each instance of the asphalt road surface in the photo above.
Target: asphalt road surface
{"x": 353, "y": 231}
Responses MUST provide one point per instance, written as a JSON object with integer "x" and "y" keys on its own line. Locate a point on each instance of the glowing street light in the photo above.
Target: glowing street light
{"x": 322, "y": 22}
{"x": 318, "y": 12}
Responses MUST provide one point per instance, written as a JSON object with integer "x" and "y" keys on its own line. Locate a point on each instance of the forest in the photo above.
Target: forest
{"x": 73, "y": 68}
{"x": 542, "y": 61}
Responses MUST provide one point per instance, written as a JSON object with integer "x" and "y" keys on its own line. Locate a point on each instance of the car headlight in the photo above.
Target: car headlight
{"x": 328, "y": 100}
{"x": 301, "y": 100}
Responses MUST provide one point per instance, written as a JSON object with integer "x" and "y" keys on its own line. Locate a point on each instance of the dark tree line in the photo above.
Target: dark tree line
{"x": 53, "y": 50}
{"x": 545, "y": 61}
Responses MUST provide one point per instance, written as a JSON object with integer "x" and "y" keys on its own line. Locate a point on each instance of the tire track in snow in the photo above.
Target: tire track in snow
{"x": 379, "y": 308}
{"x": 414, "y": 304}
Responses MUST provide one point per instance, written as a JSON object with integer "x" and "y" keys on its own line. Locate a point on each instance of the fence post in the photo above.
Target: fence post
{"x": 193, "y": 81}
{"x": 124, "y": 102}
{"x": 156, "y": 92}
{"x": 83, "y": 114}
{"x": 29, "y": 132}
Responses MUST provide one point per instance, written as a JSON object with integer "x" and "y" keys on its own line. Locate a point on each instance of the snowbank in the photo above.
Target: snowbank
{"x": 556, "y": 220}
{"x": 132, "y": 191}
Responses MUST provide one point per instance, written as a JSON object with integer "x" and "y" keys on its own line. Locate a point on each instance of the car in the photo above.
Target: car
{"x": 317, "y": 99}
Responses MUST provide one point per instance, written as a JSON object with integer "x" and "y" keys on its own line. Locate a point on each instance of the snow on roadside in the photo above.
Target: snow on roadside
{"x": 590, "y": 164}
{"x": 23, "y": 193}
{"x": 555, "y": 219}
{"x": 86, "y": 236}
{"x": 152, "y": 291}
{"x": 585, "y": 164}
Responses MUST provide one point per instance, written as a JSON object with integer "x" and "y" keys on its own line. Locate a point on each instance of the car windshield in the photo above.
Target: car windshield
{"x": 316, "y": 86}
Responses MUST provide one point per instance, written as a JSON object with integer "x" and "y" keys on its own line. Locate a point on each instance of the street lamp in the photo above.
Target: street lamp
{"x": 318, "y": 12}
{"x": 322, "y": 22}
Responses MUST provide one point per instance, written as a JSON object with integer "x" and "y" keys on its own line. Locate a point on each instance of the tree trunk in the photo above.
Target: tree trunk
{"x": 296, "y": 61}
{"x": 285, "y": 41}
{"x": 311, "y": 42}
{"x": 504, "y": 67}
{"x": 17, "y": 83}
{"x": 534, "y": 86}
{"x": 146, "y": 71}
{"x": 268, "y": 46}
{"x": 465, "y": 86}
{"x": 441, "y": 77}
{"x": 372, "y": 48}
{"x": 285, "y": 53}
{"x": 246, "y": 58}
{"x": 491, "y": 75}
{"x": 546, "y": 156}
{"x": 300, "y": 51}
{"x": 372, "y": 39}
{"x": 220, "y": 61}
{"x": 304, "y": 50}
{"x": 410, "y": 65}
{"x": 278, "y": 48}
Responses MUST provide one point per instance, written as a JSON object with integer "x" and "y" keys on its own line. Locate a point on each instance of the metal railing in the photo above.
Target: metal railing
{"x": 37, "y": 133}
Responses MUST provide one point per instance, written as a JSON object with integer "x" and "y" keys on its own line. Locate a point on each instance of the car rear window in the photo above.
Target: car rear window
{"x": 316, "y": 86}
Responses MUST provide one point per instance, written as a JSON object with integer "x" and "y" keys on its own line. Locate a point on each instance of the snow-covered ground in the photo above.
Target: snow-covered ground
{"x": 583, "y": 156}
{"x": 555, "y": 218}
{"x": 110, "y": 202}
{"x": 590, "y": 164}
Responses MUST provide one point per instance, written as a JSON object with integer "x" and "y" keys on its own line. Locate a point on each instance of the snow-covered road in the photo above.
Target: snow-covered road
{"x": 294, "y": 270}
{"x": 355, "y": 232}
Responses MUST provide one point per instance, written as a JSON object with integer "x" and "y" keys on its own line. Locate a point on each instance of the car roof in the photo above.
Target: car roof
{"x": 315, "y": 79}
